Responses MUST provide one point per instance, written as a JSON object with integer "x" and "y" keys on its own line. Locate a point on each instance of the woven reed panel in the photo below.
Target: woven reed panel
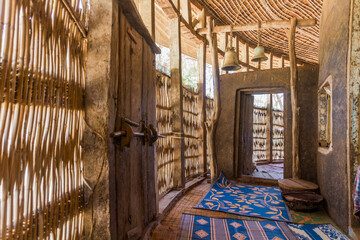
{"x": 192, "y": 130}
{"x": 164, "y": 146}
{"x": 42, "y": 77}
{"x": 275, "y": 40}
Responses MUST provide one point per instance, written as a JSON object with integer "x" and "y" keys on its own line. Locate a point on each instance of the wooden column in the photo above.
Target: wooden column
{"x": 202, "y": 91}
{"x": 294, "y": 101}
{"x": 224, "y": 47}
{"x": 186, "y": 10}
{"x": 245, "y": 55}
{"x": 282, "y": 59}
{"x": 147, "y": 11}
{"x": 211, "y": 127}
{"x": 177, "y": 103}
{"x": 271, "y": 61}
{"x": 237, "y": 50}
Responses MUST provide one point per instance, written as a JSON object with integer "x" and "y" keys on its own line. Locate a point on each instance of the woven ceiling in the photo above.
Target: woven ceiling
{"x": 275, "y": 40}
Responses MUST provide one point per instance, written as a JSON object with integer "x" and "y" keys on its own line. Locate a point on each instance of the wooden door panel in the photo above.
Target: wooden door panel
{"x": 135, "y": 165}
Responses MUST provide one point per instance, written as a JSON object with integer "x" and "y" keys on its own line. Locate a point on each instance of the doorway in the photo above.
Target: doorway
{"x": 262, "y": 130}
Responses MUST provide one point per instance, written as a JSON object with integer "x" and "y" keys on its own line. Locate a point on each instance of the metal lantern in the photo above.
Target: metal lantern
{"x": 230, "y": 62}
{"x": 259, "y": 51}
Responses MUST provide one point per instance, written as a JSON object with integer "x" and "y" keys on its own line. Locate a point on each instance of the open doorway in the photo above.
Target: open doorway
{"x": 262, "y": 120}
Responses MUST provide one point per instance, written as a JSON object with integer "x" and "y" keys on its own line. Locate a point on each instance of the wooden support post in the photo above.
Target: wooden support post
{"x": 224, "y": 47}
{"x": 271, "y": 61}
{"x": 211, "y": 127}
{"x": 202, "y": 90}
{"x": 147, "y": 11}
{"x": 282, "y": 59}
{"x": 177, "y": 103}
{"x": 246, "y": 55}
{"x": 186, "y": 11}
{"x": 237, "y": 50}
{"x": 294, "y": 101}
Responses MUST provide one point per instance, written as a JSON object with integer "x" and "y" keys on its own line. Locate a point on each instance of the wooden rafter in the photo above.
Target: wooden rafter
{"x": 254, "y": 26}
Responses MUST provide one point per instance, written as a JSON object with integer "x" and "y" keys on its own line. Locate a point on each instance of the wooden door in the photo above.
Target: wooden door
{"x": 135, "y": 165}
{"x": 246, "y": 128}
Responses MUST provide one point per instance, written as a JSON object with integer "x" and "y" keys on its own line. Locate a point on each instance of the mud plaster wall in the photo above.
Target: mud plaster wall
{"x": 333, "y": 58}
{"x": 277, "y": 78}
{"x": 354, "y": 86}
{"x": 97, "y": 115}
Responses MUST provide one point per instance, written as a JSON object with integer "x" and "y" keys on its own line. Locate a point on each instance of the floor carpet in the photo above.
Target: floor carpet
{"x": 317, "y": 232}
{"x": 199, "y": 227}
{"x": 247, "y": 200}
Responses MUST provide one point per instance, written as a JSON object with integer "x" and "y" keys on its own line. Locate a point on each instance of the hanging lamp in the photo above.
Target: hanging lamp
{"x": 230, "y": 62}
{"x": 259, "y": 51}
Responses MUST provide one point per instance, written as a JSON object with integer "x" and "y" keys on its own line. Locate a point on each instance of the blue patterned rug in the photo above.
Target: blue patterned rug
{"x": 317, "y": 232}
{"x": 247, "y": 200}
{"x": 198, "y": 227}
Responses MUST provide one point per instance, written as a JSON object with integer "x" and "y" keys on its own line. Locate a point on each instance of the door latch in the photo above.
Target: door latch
{"x": 126, "y": 133}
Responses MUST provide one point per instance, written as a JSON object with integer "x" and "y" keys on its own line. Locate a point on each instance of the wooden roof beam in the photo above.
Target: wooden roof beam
{"x": 172, "y": 12}
{"x": 254, "y": 26}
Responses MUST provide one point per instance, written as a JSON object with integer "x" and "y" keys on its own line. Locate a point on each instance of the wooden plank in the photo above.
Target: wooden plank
{"x": 264, "y": 25}
{"x": 294, "y": 100}
{"x": 297, "y": 184}
{"x": 177, "y": 103}
{"x": 247, "y": 133}
{"x": 132, "y": 15}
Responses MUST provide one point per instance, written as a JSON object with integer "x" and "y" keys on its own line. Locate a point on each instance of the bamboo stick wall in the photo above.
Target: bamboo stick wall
{"x": 192, "y": 131}
{"x": 192, "y": 126}
{"x": 42, "y": 73}
{"x": 259, "y": 135}
{"x": 165, "y": 146}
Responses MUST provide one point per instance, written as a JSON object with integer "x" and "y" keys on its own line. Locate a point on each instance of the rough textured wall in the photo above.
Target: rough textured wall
{"x": 308, "y": 124}
{"x": 354, "y": 87}
{"x": 332, "y": 167}
{"x": 97, "y": 116}
{"x": 277, "y": 78}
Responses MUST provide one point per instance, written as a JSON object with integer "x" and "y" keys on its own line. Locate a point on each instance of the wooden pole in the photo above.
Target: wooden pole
{"x": 202, "y": 91}
{"x": 211, "y": 127}
{"x": 237, "y": 50}
{"x": 177, "y": 103}
{"x": 246, "y": 55}
{"x": 225, "y": 45}
{"x": 294, "y": 101}
{"x": 186, "y": 11}
{"x": 271, "y": 61}
{"x": 282, "y": 61}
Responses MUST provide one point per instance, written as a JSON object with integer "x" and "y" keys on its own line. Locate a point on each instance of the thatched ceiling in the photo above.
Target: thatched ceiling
{"x": 275, "y": 40}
